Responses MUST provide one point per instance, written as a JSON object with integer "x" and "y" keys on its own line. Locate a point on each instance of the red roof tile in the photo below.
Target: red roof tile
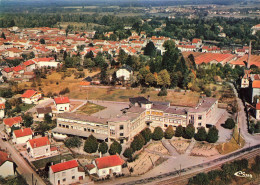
{"x": 109, "y": 161}
{"x": 2, "y": 106}
{"x": 18, "y": 68}
{"x": 38, "y": 142}
{"x": 208, "y": 57}
{"x": 28, "y": 62}
{"x": 61, "y": 100}
{"x": 23, "y": 132}
{"x": 11, "y": 121}
{"x": 64, "y": 166}
{"x": 8, "y": 69}
{"x": 28, "y": 93}
{"x": 256, "y": 84}
{"x": 4, "y": 157}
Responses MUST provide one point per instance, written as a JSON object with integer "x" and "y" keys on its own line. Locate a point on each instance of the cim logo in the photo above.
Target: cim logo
{"x": 243, "y": 174}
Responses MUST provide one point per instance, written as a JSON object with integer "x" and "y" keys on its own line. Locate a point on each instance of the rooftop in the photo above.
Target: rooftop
{"x": 64, "y": 166}
{"x": 109, "y": 161}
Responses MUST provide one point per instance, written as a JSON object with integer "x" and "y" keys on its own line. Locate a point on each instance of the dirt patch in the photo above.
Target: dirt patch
{"x": 204, "y": 149}
{"x": 158, "y": 147}
{"x": 90, "y": 108}
{"x": 180, "y": 145}
{"x": 143, "y": 163}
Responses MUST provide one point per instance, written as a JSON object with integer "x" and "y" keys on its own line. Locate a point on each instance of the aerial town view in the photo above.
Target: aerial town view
{"x": 125, "y": 92}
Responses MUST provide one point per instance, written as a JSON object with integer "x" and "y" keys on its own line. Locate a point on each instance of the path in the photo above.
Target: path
{"x": 166, "y": 143}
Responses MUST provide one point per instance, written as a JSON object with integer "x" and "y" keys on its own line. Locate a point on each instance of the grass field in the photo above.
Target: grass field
{"x": 25, "y": 107}
{"x": 232, "y": 145}
{"x": 55, "y": 159}
{"x": 90, "y": 108}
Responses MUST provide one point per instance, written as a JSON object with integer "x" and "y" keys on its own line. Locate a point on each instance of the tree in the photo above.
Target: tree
{"x": 163, "y": 79}
{"x": 256, "y": 165}
{"x": 150, "y": 49}
{"x": 91, "y": 144}
{"x": 163, "y": 92}
{"x": 137, "y": 143}
{"x": 147, "y": 135}
{"x": 128, "y": 153}
{"x": 189, "y": 131}
{"x": 179, "y": 131}
{"x": 103, "y": 147}
{"x": 212, "y": 136}
{"x": 157, "y": 134}
{"x": 73, "y": 142}
{"x": 122, "y": 57}
{"x": 47, "y": 118}
{"x": 170, "y": 56}
{"x": 150, "y": 79}
{"x": 42, "y": 41}
{"x": 27, "y": 120}
{"x": 3, "y": 35}
{"x": 169, "y": 132}
{"x": 200, "y": 179}
{"x": 201, "y": 135}
{"x": 229, "y": 123}
{"x": 115, "y": 148}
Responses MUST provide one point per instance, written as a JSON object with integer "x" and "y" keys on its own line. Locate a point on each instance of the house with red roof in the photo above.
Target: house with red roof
{"x": 66, "y": 173}
{"x": 10, "y": 122}
{"x": 196, "y": 42}
{"x": 46, "y": 62}
{"x": 107, "y": 165}
{"x": 7, "y": 166}
{"x": 39, "y": 147}
{"x": 255, "y": 89}
{"x": 8, "y": 72}
{"x": 22, "y": 135}
{"x": 29, "y": 65}
{"x": 31, "y": 96}
{"x": 62, "y": 104}
{"x": 257, "y": 111}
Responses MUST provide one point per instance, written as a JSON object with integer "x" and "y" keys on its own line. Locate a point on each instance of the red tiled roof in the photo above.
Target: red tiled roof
{"x": 38, "y": 142}
{"x": 28, "y": 93}
{"x": 64, "y": 166}
{"x": 109, "y": 161}
{"x": 23, "y": 132}
{"x": 61, "y": 100}
{"x": 18, "y": 68}
{"x": 256, "y": 84}
{"x": 258, "y": 106}
{"x": 208, "y": 57}
{"x": 11, "y": 121}
{"x": 28, "y": 62}
{"x": 54, "y": 148}
{"x": 2, "y": 106}
{"x": 8, "y": 69}
{"x": 90, "y": 166}
{"x": 196, "y": 40}
{"x": 4, "y": 157}
{"x": 43, "y": 59}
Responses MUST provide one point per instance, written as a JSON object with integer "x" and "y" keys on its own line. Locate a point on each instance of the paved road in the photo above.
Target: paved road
{"x": 23, "y": 167}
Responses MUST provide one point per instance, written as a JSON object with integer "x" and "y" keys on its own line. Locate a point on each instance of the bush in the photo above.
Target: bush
{"x": 91, "y": 144}
{"x": 256, "y": 166}
{"x": 169, "y": 132}
{"x": 147, "y": 135}
{"x": 200, "y": 179}
{"x": 163, "y": 92}
{"x": 189, "y": 131}
{"x": 179, "y": 131}
{"x": 103, "y": 147}
{"x": 208, "y": 92}
{"x": 157, "y": 134}
{"x": 201, "y": 135}
{"x": 212, "y": 136}
{"x": 229, "y": 123}
{"x": 138, "y": 142}
{"x": 128, "y": 153}
{"x": 64, "y": 91}
{"x": 115, "y": 148}
{"x": 73, "y": 142}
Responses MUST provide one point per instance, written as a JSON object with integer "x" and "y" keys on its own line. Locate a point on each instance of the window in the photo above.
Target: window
{"x": 121, "y": 127}
{"x": 67, "y": 126}
{"x": 200, "y": 117}
{"x": 165, "y": 125}
{"x": 64, "y": 179}
{"x": 199, "y": 124}
{"x": 59, "y": 125}
{"x": 92, "y": 130}
{"x": 88, "y": 130}
{"x": 85, "y": 129}
{"x": 73, "y": 177}
{"x": 121, "y": 134}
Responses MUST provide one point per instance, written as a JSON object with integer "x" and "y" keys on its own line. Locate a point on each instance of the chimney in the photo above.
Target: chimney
{"x": 249, "y": 55}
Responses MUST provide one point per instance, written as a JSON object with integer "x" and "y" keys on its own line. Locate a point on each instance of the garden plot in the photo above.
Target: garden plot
{"x": 204, "y": 149}
{"x": 158, "y": 148}
{"x": 180, "y": 145}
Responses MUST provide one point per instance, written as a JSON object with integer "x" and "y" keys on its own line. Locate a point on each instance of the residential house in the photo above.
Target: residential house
{"x": 7, "y": 166}
{"x": 42, "y": 111}
{"x": 256, "y": 89}
{"x": 31, "y": 96}
{"x": 104, "y": 166}
{"x": 7, "y": 72}
{"x": 124, "y": 72}
{"x": 196, "y": 42}
{"x": 2, "y": 110}
{"x": 62, "y": 104}
{"x": 10, "y": 122}
{"x": 29, "y": 65}
{"x": 46, "y": 62}
{"x": 255, "y": 29}
{"x": 39, "y": 147}
{"x": 22, "y": 135}
{"x": 66, "y": 173}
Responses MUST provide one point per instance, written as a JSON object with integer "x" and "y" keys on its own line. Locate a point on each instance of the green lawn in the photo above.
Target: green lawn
{"x": 55, "y": 159}
{"x": 25, "y": 107}
{"x": 90, "y": 108}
